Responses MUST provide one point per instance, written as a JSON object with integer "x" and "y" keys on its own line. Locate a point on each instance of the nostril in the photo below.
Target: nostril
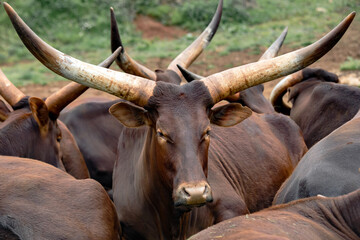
{"x": 206, "y": 190}
{"x": 187, "y": 194}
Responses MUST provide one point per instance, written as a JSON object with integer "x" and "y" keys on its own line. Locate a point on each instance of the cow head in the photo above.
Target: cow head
{"x": 296, "y": 83}
{"x": 179, "y": 117}
{"x": 31, "y": 131}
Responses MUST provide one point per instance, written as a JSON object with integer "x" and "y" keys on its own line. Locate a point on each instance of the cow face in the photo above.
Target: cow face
{"x": 180, "y": 119}
{"x": 30, "y": 132}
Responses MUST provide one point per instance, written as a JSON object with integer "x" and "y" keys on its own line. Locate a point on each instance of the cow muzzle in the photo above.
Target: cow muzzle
{"x": 189, "y": 195}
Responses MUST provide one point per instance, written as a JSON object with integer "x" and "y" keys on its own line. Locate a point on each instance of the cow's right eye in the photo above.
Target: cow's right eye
{"x": 163, "y": 137}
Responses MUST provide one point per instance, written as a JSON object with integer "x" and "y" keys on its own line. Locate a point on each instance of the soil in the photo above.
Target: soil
{"x": 212, "y": 62}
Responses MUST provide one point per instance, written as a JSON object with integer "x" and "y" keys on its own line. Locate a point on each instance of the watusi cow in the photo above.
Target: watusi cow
{"x": 39, "y": 201}
{"x": 99, "y": 146}
{"x": 316, "y": 218}
{"x": 35, "y": 120}
{"x": 330, "y": 168}
{"x": 167, "y": 165}
{"x": 319, "y": 103}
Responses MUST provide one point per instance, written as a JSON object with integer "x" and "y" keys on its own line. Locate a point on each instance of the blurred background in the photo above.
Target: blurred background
{"x": 155, "y": 31}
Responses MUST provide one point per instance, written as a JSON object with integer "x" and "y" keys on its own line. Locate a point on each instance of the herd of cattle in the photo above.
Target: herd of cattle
{"x": 189, "y": 151}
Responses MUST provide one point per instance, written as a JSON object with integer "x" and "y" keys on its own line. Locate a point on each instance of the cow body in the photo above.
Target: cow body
{"x": 316, "y": 218}
{"x": 39, "y": 201}
{"x": 98, "y": 145}
{"x": 329, "y": 168}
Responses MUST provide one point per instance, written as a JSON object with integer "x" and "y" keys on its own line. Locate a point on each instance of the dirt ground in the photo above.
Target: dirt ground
{"x": 348, "y": 46}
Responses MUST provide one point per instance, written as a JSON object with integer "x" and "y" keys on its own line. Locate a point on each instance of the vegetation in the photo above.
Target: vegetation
{"x": 350, "y": 64}
{"x": 81, "y": 27}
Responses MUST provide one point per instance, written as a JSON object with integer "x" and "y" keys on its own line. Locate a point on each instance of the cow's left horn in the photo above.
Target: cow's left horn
{"x": 276, "y": 96}
{"x": 124, "y": 61}
{"x": 236, "y": 79}
{"x": 132, "y": 88}
{"x": 8, "y": 90}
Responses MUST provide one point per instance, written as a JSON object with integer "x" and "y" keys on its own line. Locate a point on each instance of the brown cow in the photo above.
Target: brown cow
{"x": 315, "y": 218}
{"x": 39, "y": 201}
{"x": 330, "y": 168}
{"x": 99, "y": 146}
{"x": 167, "y": 166}
{"x": 35, "y": 120}
{"x": 319, "y": 104}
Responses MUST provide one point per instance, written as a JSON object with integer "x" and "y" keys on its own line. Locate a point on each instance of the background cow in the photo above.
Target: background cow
{"x": 319, "y": 104}
{"x": 330, "y": 168}
{"x": 170, "y": 171}
{"x": 47, "y": 139}
{"x": 314, "y": 218}
{"x": 39, "y": 201}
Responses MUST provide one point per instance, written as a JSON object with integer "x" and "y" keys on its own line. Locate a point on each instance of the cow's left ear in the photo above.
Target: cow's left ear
{"x": 129, "y": 114}
{"x": 40, "y": 113}
{"x": 229, "y": 115}
{"x": 4, "y": 111}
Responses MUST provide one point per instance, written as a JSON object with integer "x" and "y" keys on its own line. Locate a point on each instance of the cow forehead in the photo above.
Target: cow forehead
{"x": 190, "y": 95}
{"x": 181, "y": 105}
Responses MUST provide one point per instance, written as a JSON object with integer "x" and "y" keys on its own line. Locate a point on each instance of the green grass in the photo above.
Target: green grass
{"x": 350, "y": 64}
{"x": 80, "y": 28}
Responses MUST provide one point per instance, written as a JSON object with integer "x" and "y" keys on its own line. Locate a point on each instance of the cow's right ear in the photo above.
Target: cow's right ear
{"x": 129, "y": 114}
{"x": 40, "y": 113}
{"x": 229, "y": 114}
{"x": 4, "y": 111}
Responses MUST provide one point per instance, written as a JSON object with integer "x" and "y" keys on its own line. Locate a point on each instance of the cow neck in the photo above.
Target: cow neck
{"x": 340, "y": 215}
{"x": 348, "y": 208}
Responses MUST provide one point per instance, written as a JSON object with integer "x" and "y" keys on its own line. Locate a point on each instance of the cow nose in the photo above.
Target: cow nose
{"x": 193, "y": 195}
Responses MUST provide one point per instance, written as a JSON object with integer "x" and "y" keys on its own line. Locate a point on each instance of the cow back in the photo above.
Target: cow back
{"x": 321, "y": 107}
{"x": 329, "y": 168}
{"x": 41, "y": 202}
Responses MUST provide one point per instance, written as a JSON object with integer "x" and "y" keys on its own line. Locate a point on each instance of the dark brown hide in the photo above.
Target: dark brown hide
{"x": 330, "y": 168}
{"x": 316, "y": 218}
{"x": 39, "y": 201}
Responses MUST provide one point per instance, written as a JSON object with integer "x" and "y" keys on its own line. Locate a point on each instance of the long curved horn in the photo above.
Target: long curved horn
{"x": 236, "y": 79}
{"x": 132, "y": 88}
{"x": 60, "y": 99}
{"x": 8, "y": 90}
{"x": 276, "y": 96}
{"x": 124, "y": 61}
{"x": 271, "y": 52}
{"x": 189, "y": 55}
